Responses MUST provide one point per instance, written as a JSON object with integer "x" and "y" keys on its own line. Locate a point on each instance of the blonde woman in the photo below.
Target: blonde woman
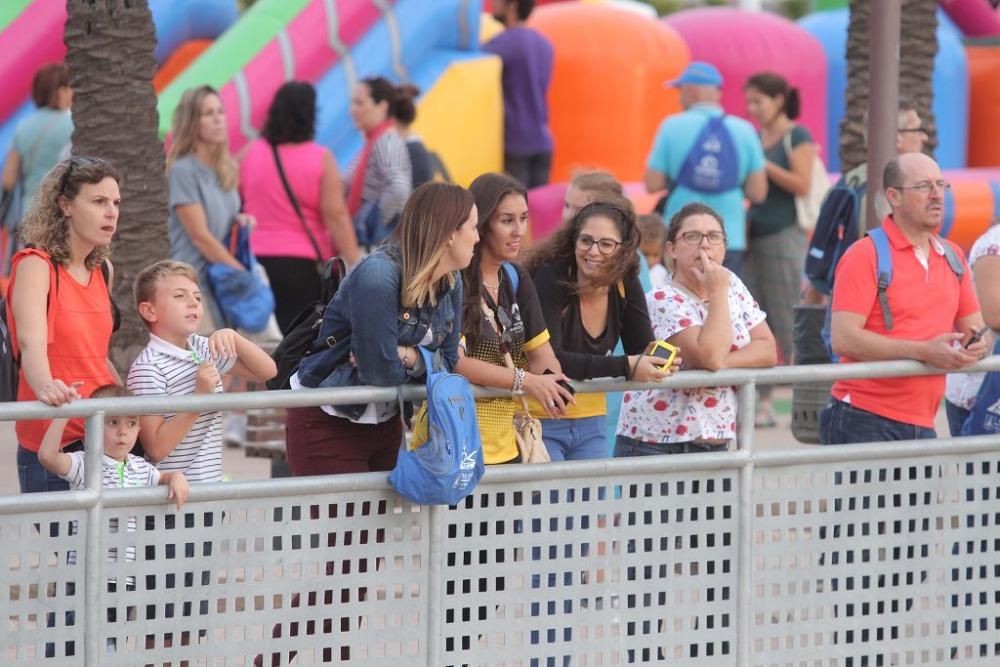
{"x": 203, "y": 198}
{"x": 407, "y": 293}
{"x": 58, "y": 308}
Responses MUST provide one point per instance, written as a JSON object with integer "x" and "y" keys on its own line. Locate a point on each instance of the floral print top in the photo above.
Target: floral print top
{"x": 682, "y": 415}
{"x": 961, "y": 388}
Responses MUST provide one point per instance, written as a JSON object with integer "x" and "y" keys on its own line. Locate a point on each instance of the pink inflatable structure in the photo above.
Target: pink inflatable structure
{"x": 975, "y": 18}
{"x": 28, "y": 39}
{"x": 743, "y": 43}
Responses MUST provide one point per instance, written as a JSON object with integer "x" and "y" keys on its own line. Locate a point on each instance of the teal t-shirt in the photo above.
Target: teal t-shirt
{"x": 39, "y": 140}
{"x": 777, "y": 211}
{"x": 674, "y": 140}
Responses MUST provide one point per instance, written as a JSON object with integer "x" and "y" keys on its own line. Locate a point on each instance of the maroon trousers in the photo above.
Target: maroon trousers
{"x": 320, "y": 444}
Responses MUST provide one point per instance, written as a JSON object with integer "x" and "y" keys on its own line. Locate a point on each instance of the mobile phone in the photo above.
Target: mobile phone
{"x": 976, "y": 337}
{"x": 661, "y": 349}
{"x": 562, "y": 383}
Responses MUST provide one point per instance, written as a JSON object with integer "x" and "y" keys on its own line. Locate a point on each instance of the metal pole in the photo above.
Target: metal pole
{"x": 883, "y": 96}
{"x": 93, "y": 446}
{"x": 745, "y": 425}
{"x": 435, "y": 573}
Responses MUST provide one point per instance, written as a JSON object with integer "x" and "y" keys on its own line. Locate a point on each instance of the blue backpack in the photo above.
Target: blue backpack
{"x": 837, "y": 228}
{"x": 883, "y": 271}
{"x": 713, "y": 163}
{"x": 245, "y": 300}
{"x": 985, "y": 415}
{"x": 449, "y": 465}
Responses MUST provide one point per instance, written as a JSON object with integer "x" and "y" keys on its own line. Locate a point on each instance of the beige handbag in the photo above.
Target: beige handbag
{"x": 527, "y": 429}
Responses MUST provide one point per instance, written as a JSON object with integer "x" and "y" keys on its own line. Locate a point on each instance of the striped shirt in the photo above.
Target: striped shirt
{"x": 132, "y": 472}
{"x": 388, "y": 177}
{"x": 163, "y": 369}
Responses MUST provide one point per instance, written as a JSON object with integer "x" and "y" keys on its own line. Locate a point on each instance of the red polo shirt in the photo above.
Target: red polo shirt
{"x": 925, "y": 302}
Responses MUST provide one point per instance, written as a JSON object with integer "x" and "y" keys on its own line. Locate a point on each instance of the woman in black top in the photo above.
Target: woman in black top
{"x": 587, "y": 279}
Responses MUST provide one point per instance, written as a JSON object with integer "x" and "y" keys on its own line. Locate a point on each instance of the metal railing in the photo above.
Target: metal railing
{"x": 607, "y": 562}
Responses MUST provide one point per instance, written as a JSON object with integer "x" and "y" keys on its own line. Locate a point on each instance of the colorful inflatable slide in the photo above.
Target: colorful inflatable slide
{"x": 31, "y": 33}
{"x": 334, "y": 43}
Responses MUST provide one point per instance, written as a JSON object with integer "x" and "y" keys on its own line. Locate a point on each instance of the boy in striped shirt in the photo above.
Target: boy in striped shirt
{"x": 177, "y": 362}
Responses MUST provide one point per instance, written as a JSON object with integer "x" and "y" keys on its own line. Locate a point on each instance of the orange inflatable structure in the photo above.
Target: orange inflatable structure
{"x": 984, "y": 104}
{"x": 178, "y": 62}
{"x": 607, "y": 96}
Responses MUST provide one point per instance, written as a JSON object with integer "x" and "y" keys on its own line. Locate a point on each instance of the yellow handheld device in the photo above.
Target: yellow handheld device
{"x": 661, "y": 349}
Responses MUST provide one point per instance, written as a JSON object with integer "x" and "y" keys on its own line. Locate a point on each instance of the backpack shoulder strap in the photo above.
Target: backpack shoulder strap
{"x": 954, "y": 261}
{"x": 883, "y": 258}
{"x": 513, "y": 276}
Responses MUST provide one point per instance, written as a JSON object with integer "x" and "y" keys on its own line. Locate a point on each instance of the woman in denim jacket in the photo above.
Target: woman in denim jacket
{"x": 405, "y": 294}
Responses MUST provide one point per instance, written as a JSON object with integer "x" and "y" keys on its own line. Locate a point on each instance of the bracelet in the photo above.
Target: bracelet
{"x": 518, "y": 387}
{"x": 631, "y": 371}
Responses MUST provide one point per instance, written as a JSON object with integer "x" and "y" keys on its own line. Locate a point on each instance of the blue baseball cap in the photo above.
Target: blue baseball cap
{"x": 698, "y": 73}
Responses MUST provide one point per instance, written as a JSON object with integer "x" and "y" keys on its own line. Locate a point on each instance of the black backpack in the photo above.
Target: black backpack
{"x": 11, "y": 365}
{"x": 299, "y": 342}
{"x": 837, "y": 228}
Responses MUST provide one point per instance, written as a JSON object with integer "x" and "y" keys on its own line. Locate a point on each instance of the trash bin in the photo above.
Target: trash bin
{"x": 809, "y": 398}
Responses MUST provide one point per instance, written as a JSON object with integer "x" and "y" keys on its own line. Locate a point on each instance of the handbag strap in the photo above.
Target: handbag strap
{"x": 508, "y": 360}
{"x": 295, "y": 202}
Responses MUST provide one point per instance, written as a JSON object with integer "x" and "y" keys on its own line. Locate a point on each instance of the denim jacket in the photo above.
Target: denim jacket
{"x": 365, "y": 317}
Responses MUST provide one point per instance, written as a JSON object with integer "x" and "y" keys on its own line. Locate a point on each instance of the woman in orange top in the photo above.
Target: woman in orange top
{"x": 58, "y": 305}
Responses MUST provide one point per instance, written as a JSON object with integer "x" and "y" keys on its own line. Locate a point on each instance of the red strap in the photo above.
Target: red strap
{"x": 358, "y": 178}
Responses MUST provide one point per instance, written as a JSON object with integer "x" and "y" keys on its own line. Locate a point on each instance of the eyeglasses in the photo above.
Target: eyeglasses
{"x": 906, "y": 130}
{"x": 925, "y": 187}
{"x": 694, "y": 238}
{"x": 585, "y": 242}
{"x": 74, "y": 163}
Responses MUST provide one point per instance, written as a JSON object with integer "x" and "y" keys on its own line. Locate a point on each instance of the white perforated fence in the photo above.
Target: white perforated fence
{"x": 864, "y": 555}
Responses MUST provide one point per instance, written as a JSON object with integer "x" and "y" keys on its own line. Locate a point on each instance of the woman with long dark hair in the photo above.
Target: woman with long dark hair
{"x": 309, "y": 224}
{"x": 587, "y": 276}
{"x": 499, "y": 318}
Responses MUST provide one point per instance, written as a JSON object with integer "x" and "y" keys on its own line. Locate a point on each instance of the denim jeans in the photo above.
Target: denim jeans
{"x": 956, "y": 418}
{"x": 33, "y": 477}
{"x": 576, "y": 439}
{"x": 626, "y": 446}
{"x": 841, "y": 423}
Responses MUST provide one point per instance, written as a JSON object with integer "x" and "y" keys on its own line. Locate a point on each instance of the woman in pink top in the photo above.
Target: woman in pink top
{"x": 310, "y": 224}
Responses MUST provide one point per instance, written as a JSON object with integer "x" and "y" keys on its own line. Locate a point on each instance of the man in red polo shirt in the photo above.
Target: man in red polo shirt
{"x": 933, "y": 314}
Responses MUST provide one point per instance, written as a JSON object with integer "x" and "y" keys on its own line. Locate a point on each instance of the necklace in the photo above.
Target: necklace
{"x": 493, "y": 288}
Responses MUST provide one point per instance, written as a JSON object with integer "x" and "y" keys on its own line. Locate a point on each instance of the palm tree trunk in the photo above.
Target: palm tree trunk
{"x": 853, "y": 150}
{"x": 918, "y": 46}
{"x": 110, "y": 57}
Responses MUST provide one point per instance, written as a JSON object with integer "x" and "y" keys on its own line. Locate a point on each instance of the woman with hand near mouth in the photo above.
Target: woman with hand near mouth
{"x": 59, "y": 308}
{"x": 587, "y": 276}
{"x": 497, "y": 318}
{"x": 707, "y": 312}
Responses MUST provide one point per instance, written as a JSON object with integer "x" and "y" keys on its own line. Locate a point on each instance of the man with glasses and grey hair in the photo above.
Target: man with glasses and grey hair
{"x": 925, "y": 309}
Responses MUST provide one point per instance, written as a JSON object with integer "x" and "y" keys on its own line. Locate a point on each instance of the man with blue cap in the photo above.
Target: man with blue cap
{"x": 704, "y": 155}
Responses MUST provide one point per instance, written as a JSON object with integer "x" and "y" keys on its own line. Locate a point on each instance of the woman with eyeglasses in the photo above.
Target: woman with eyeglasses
{"x": 706, "y": 311}
{"x": 59, "y": 309}
{"x": 586, "y": 275}
{"x": 498, "y": 317}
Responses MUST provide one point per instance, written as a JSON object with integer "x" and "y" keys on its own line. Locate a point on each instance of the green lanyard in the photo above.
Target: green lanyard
{"x": 120, "y": 469}
{"x": 195, "y": 357}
